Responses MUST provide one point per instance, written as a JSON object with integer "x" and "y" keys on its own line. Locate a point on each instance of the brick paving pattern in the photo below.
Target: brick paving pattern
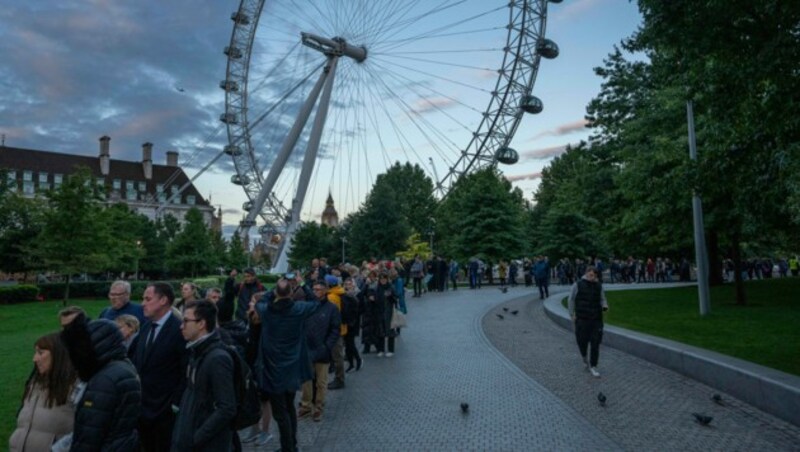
{"x": 649, "y": 407}
{"x": 526, "y": 388}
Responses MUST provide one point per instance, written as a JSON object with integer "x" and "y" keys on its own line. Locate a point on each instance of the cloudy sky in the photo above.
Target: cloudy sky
{"x": 74, "y": 70}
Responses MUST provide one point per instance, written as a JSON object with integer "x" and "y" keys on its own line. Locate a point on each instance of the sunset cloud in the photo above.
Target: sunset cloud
{"x": 563, "y": 129}
{"x": 544, "y": 153}
{"x": 519, "y": 177}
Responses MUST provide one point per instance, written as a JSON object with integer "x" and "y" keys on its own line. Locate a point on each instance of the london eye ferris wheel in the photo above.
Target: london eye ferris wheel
{"x": 323, "y": 95}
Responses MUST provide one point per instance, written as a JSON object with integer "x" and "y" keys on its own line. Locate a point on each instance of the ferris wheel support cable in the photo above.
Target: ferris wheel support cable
{"x": 466, "y": 85}
{"x": 401, "y": 22}
{"x": 412, "y": 114}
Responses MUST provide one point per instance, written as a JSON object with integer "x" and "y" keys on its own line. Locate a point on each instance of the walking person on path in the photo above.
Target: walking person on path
{"x": 587, "y": 302}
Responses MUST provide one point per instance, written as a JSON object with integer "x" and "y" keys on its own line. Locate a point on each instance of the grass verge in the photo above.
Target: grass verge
{"x": 20, "y": 326}
{"x": 764, "y": 331}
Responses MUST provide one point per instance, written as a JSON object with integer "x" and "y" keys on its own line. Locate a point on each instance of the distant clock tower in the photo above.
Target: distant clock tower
{"x": 329, "y": 216}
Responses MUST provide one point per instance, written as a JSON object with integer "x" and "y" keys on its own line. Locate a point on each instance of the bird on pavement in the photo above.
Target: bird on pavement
{"x": 504, "y": 289}
{"x": 601, "y": 398}
{"x": 464, "y": 407}
{"x": 717, "y": 399}
{"x": 500, "y": 316}
{"x": 702, "y": 419}
{"x": 515, "y": 312}
{"x": 505, "y": 309}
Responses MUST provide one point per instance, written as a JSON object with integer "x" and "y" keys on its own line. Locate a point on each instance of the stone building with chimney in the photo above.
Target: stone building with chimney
{"x": 144, "y": 186}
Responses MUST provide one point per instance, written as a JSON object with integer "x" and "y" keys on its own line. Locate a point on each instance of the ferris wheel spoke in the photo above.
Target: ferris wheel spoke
{"x": 442, "y": 63}
{"x": 439, "y": 77}
{"x": 402, "y": 21}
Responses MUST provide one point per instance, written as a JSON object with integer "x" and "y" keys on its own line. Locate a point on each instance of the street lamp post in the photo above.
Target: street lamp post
{"x": 344, "y": 240}
{"x": 136, "y": 263}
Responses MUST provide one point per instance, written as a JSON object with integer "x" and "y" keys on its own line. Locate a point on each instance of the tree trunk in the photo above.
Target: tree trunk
{"x": 714, "y": 261}
{"x": 736, "y": 254}
{"x": 66, "y": 293}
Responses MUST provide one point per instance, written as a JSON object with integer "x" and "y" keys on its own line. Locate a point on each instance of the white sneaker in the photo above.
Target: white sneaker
{"x": 594, "y": 372}
{"x": 389, "y": 355}
{"x": 380, "y": 354}
{"x": 263, "y": 438}
{"x": 248, "y": 434}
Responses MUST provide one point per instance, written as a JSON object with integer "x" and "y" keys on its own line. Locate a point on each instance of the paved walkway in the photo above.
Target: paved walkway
{"x": 526, "y": 388}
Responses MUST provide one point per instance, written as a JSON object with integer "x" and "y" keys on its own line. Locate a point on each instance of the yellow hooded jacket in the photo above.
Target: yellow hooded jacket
{"x": 335, "y": 296}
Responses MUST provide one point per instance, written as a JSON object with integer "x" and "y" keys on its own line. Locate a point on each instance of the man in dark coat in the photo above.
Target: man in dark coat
{"x": 587, "y": 302}
{"x": 283, "y": 363}
{"x": 159, "y": 354}
{"x": 208, "y": 406}
{"x": 249, "y": 287}
{"x": 541, "y": 274}
{"x": 108, "y": 410}
{"x": 322, "y": 334}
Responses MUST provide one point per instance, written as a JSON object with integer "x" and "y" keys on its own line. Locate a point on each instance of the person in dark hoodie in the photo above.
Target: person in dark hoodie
{"x": 107, "y": 413}
{"x": 283, "y": 361}
{"x": 208, "y": 405}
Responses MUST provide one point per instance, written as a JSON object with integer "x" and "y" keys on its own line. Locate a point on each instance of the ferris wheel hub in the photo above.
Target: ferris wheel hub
{"x": 336, "y": 46}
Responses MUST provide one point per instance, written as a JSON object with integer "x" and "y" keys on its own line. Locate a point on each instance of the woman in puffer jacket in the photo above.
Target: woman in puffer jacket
{"x": 46, "y": 414}
{"x": 107, "y": 413}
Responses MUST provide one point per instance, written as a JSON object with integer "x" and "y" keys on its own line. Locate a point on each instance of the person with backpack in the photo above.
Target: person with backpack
{"x": 335, "y": 296}
{"x": 208, "y": 406}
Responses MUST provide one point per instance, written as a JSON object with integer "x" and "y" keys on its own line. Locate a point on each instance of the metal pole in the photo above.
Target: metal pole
{"x": 309, "y": 160}
{"x": 700, "y": 251}
{"x": 285, "y": 152}
{"x": 343, "y": 241}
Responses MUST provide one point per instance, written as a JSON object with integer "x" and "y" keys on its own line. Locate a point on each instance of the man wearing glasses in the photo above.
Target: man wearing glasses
{"x": 587, "y": 303}
{"x": 119, "y": 297}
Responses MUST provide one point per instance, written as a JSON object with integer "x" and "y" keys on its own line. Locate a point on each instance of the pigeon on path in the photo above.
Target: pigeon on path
{"x": 702, "y": 419}
{"x": 601, "y": 398}
{"x": 505, "y": 309}
{"x": 464, "y": 407}
{"x": 504, "y": 289}
{"x": 500, "y": 316}
{"x": 716, "y": 398}
{"x": 515, "y": 312}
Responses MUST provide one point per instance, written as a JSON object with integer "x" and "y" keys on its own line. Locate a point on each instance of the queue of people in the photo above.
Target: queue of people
{"x": 154, "y": 377}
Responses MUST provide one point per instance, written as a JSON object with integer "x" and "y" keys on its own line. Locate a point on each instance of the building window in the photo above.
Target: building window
{"x": 117, "y": 184}
{"x": 42, "y": 179}
{"x": 129, "y": 185}
{"x": 174, "y": 189}
{"x": 11, "y": 177}
{"x": 190, "y": 199}
{"x": 162, "y": 196}
{"x": 27, "y": 187}
{"x": 130, "y": 195}
{"x": 27, "y": 176}
{"x": 58, "y": 179}
{"x": 142, "y": 187}
{"x": 101, "y": 182}
{"x": 160, "y": 188}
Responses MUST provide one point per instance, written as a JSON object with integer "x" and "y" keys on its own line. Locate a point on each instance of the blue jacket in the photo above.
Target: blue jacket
{"x": 541, "y": 270}
{"x": 283, "y": 363}
{"x": 130, "y": 308}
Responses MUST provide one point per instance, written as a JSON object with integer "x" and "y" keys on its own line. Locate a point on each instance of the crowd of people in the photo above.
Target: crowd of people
{"x": 163, "y": 375}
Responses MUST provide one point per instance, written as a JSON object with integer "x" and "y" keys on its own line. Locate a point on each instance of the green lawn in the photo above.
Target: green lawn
{"x": 20, "y": 326}
{"x": 764, "y": 332}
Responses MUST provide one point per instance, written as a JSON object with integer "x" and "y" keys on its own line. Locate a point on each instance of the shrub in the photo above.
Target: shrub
{"x": 18, "y": 294}
{"x": 96, "y": 289}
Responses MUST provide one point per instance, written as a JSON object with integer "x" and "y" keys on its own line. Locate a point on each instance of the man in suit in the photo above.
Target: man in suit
{"x": 160, "y": 359}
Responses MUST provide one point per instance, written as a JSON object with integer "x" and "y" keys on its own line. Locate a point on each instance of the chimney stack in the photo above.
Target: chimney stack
{"x": 105, "y": 155}
{"x": 147, "y": 160}
{"x": 172, "y": 158}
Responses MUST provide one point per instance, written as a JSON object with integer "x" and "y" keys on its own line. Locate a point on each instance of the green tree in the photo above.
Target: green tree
{"x": 412, "y": 190}
{"x": 74, "y": 238}
{"x": 21, "y": 222}
{"x": 564, "y": 234}
{"x": 481, "y": 216}
{"x": 126, "y": 249}
{"x": 237, "y": 255}
{"x": 312, "y": 240}
{"x": 378, "y": 228}
{"x": 190, "y": 252}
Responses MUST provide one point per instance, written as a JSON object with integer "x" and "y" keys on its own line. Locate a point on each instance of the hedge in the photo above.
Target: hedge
{"x": 96, "y": 289}
{"x": 18, "y": 294}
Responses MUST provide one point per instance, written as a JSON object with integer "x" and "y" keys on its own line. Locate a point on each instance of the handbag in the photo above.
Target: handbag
{"x": 398, "y": 319}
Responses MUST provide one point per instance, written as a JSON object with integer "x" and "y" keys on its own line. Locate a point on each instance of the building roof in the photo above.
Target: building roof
{"x": 57, "y": 163}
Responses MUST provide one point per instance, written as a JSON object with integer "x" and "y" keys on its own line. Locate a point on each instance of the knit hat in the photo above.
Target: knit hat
{"x": 331, "y": 280}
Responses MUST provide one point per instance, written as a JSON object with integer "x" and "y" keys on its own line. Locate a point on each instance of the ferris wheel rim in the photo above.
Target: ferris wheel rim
{"x": 521, "y": 59}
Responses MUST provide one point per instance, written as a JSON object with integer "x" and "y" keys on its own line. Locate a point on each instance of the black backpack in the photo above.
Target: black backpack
{"x": 248, "y": 404}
